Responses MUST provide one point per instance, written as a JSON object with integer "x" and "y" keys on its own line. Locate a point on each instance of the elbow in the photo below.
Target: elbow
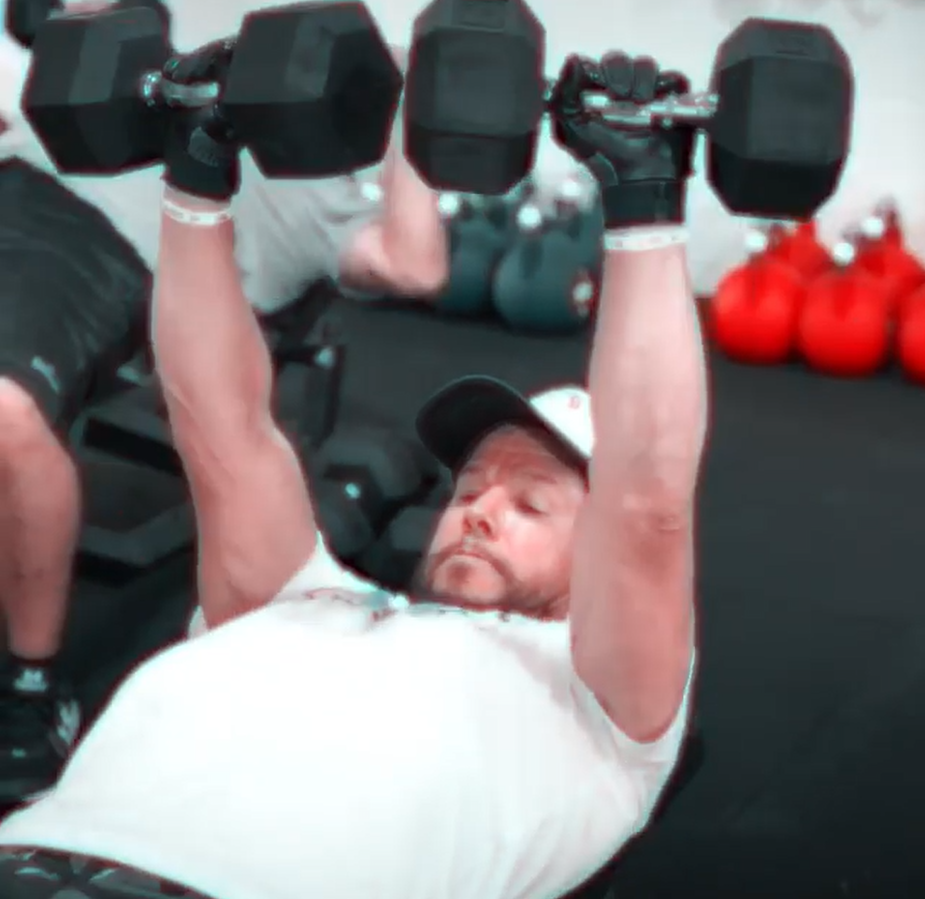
{"x": 651, "y": 494}
{"x": 649, "y": 517}
{"x": 420, "y": 282}
{"x": 418, "y": 270}
{"x": 661, "y": 513}
{"x": 417, "y": 259}
{"x": 418, "y": 273}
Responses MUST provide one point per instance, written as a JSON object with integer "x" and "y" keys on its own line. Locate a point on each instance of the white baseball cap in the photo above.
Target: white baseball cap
{"x": 458, "y": 417}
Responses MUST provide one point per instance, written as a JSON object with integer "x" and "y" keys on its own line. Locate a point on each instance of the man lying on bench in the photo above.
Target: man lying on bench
{"x": 75, "y": 283}
{"x": 498, "y": 735}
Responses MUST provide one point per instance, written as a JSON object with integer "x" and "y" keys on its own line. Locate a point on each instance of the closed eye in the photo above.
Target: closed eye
{"x": 530, "y": 508}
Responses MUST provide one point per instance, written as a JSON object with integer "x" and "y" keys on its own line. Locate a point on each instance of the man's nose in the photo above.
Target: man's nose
{"x": 484, "y": 514}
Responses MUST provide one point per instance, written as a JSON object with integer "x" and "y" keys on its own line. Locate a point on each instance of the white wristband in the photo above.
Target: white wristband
{"x": 199, "y": 218}
{"x": 639, "y": 240}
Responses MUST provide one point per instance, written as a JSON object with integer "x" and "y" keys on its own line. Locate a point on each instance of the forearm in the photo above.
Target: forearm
{"x": 647, "y": 382}
{"x": 405, "y": 250}
{"x": 412, "y": 229}
{"x": 210, "y": 354}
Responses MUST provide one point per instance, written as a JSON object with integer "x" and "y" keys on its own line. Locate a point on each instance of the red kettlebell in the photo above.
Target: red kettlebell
{"x": 799, "y": 246}
{"x": 844, "y": 326}
{"x": 883, "y": 253}
{"x": 910, "y": 336}
{"x": 752, "y": 316}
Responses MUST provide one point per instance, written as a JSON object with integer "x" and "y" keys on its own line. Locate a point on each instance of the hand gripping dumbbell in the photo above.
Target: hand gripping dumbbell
{"x": 778, "y": 109}
{"x": 311, "y": 89}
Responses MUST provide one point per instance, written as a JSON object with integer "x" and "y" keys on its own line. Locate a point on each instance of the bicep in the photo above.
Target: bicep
{"x": 632, "y": 616}
{"x": 253, "y": 513}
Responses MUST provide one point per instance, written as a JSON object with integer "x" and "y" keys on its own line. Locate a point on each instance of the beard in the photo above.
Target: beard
{"x": 483, "y": 583}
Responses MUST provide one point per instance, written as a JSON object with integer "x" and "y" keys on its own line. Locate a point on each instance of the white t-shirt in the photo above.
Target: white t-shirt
{"x": 288, "y": 233}
{"x": 347, "y": 744}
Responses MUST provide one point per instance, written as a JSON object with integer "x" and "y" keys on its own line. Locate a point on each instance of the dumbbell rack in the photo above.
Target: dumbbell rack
{"x": 124, "y": 447}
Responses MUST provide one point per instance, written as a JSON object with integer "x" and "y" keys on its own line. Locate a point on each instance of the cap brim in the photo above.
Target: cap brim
{"x": 455, "y": 419}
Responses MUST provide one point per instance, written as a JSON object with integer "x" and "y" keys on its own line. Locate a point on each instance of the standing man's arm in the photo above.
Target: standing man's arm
{"x": 633, "y": 573}
{"x": 404, "y": 252}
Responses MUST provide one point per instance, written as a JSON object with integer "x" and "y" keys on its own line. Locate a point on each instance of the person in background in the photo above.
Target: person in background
{"x": 502, "y": 733}
{"x": 75, "y": 280}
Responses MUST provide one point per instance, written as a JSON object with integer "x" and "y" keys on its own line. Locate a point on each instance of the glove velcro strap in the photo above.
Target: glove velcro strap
{"x": 644, "y": 203}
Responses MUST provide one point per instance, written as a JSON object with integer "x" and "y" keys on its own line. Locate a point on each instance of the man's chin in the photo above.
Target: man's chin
{"x": 472, "y": 581}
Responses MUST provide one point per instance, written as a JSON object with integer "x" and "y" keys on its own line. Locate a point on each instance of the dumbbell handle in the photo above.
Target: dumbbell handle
{"x": 692, "y": 109}
{"x": 156, "y": 89}
{"x": 689, "y": 109}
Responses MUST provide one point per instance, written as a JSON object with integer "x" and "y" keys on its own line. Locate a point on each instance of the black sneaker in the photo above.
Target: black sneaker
{"x": 39, "y": 726}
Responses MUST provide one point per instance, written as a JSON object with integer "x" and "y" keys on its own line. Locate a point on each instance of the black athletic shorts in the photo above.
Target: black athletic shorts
{"x": 73, "y": 293}
{"x": 43, "y": 874}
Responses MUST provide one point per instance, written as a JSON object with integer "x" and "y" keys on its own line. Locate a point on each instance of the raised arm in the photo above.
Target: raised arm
{"x": 633, "y": 575}
{"x": 633, "y": 571}
{"x": 254, "y": 516}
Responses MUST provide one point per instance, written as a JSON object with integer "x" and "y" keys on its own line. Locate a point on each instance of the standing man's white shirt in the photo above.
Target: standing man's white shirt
{"x": 288, "y": 233}
{"x": 351, "y": 745}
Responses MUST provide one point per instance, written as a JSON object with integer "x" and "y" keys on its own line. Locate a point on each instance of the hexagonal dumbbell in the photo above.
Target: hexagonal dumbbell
{"x": 369, "y": 474}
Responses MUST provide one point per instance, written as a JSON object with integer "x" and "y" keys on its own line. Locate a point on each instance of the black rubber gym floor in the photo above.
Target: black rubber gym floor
{"x": 812, "y": 599}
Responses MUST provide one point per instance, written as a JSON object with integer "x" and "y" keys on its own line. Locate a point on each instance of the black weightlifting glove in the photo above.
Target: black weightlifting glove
{"x": 201, "y": 152}
{"x": 642, "y": 171}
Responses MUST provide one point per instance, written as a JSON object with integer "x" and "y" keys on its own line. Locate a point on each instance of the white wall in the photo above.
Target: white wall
{"x": 883, "y": 37}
